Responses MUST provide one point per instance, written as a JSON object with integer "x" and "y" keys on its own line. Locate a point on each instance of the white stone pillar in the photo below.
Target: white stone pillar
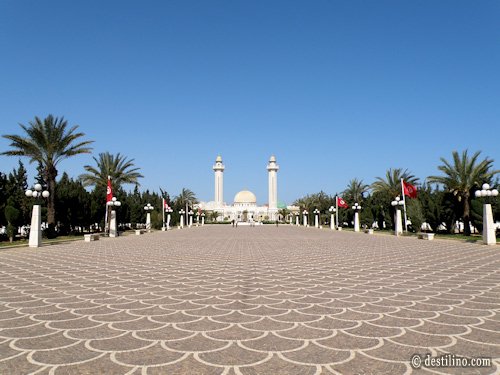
{"x": 297, "y": 220}
{"x": 304, "y": 221}
{"x": 399, "y": 223}
{"x": 36, "y": 230}
{"x": 148, "y": 221}
{"x": 202, "y": 220}
{"x": 356, "y": 221}
{"x": 219, "y": 181}
{"x": 190, "y": 221}
{"x": 113, "y": 227}
{"x": 489, "y": 235}
{"x": 168, "y": 221}
{"x": 182, "y": 221}
{"x": 332, "y": 223}
{"x": 316, "y": 221}
{"x": 272, "y": 169}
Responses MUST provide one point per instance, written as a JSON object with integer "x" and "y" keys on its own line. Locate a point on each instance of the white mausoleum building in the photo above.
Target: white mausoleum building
{"x": 244, "y": 207}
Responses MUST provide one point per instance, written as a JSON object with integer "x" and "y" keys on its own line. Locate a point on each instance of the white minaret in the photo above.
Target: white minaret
{"x": 219, "y": 181}
{"x": 272, "y": 169}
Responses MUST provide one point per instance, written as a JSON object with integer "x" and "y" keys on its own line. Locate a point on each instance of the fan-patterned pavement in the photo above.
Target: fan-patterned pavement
{"x": 261, "y": 300}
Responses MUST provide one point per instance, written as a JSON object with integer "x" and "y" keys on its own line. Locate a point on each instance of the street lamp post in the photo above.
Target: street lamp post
{"x": 168, "y": 210}
{"x": 35, "y": 239}
{"x": 356, "y": 209}
{"x": 489, "y": 236}
{"x": 332, "y": 210}
{"x": 148, "y": 208}
{"x": 191, "y": 218}
{"x": 182, "y": 212}
{"x": 202, "y": 219}
{"x": 316, "y": 218}
{"x": 304, "y": 219}
{"x": 297, "y": 219}
{"x": 113, "y": 226}
{"x": 398, "y": 205}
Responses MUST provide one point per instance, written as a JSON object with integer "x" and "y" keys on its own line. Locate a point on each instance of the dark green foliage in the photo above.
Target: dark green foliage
{"x": 461, "y": 177}
{"x": 13, "y": 216}
{"x": 15, "y": 206}
{"x": 3, "y": 197}
{"x": 73, "y": 206}
{"x": 47, "y": 142}
{"x": 50, "y": 232}
{"x": 477, "y": 214}
{"x": 415, "y": 214}
{"x": 121, "y": 171}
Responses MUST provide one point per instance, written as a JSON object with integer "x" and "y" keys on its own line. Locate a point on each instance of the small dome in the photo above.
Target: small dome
{"x": 219, "y": 158}
{"x": 245, "y": 196}
{"x": 272, "y": 158}
{"x": 282, "y": 205}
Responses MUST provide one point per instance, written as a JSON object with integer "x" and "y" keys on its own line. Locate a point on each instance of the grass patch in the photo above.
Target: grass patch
{"x": 45, "y": 241}
{"x": 473, "y": 238}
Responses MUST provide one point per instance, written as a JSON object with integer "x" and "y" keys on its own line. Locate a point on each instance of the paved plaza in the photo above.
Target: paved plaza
{"x": 263, "y": 300}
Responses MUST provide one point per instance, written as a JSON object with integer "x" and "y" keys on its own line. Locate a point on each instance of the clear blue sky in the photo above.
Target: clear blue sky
{"x": 335, "y": 90}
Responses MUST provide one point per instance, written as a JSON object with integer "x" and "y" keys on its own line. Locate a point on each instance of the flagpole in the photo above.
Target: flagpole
{"x": 404, "y": 205}
{"x": 337, "y": 210}
{"x": 106, "y": 220}
{"x": 163, "y": 211}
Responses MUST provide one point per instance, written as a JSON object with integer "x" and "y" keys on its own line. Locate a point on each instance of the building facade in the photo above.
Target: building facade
{"x": 244, "y": 207}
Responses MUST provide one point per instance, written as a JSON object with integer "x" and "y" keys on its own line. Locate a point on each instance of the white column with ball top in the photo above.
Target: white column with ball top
{"x": 489, "y": 230}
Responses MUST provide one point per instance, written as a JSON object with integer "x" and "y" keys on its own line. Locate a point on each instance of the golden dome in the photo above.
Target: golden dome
{"x": 245, "y": 196}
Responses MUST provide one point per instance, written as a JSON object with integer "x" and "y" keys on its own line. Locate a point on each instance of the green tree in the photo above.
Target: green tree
{"x": 437, "y": 207}
{"x": 13, "y": 216}
{"x": 284, "y": 212}
{"x": 213, "y": 216}
{"x": 355, "y": 191}
{"x": 185, "y": 196}
{"x": 321, "y": 201}
{"x": 390, "y": 186}
{"x": 47, "y": 142}
{"x": 415, "y": 214}
{"x": 385, "y": 189}
{"x": 17, "y": 184}
{"x": 3, "y": 198}
{"x": 121, "y": 171}
{"x": 461, "y": 177}
{"x": 73, "y": 205}
{"x": 134, "y": 202}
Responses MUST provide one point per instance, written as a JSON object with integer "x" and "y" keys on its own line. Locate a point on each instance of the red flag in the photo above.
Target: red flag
{"x": 165, "y": 204}
{"x": 409, "y": 190}
{"x": 109, "y": 192}
{"x": 342, "y": 203}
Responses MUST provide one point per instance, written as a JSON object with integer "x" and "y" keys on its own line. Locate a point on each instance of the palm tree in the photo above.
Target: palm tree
{"x": 319, "y": 200}
{"x": 47, "y": 142}
{"x": 284, "y": 212}
{"x": 461, "y": 177}
{"x": 121, "y": 171}
{"x": 391, "y": 185}
{"x": 355, "y": 190}
{"x": 184, "y": 197}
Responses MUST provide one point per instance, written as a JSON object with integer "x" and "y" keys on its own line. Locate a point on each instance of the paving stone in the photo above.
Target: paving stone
{"x": 263, "y": 300}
